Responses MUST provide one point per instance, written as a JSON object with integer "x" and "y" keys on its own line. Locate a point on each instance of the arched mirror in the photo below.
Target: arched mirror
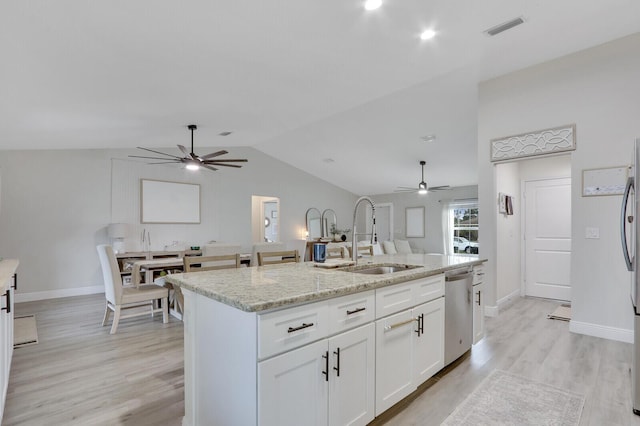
{"x": 329, "y": 223}
{"x": 314, "y": 225}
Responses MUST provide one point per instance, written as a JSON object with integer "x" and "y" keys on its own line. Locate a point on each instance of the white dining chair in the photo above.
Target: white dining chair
{"x": 119, "y": 297}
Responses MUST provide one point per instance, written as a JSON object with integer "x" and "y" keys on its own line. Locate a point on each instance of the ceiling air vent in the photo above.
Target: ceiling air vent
{"x": 504, "y": 26}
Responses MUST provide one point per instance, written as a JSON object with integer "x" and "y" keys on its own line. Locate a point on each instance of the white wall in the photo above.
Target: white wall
{"x": 507, "y": 232}
{"x": 597, "y": 89}
{"x": 56, "y": 206}
{"x": 433, "y": 240}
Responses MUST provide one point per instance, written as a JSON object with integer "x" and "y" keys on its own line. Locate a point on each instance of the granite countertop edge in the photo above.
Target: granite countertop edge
{"x": 211, "y": 286}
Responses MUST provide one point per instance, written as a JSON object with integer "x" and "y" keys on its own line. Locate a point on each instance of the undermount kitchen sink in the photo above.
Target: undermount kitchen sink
{"x": 379, "y": 269}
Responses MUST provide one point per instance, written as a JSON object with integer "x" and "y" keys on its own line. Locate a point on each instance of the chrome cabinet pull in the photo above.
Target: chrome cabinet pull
{"x": 355, "y": 311}
{"x": 399, "y": 324}
{"x": 337, "y": 367}
{"x": 7, "y": 308}
{"x": 303, "y": 326}
{"x": 326, "y": 366}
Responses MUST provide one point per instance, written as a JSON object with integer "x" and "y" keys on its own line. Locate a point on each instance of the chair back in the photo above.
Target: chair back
{"x": 301, "y": 246}
{"x": 273, "y": 257}
{"x": 218, "y": 249}
{"x": 210, "y": 263}
{"x": 363, "y": 250}
{"x": 264, "y": 247}
{"x": 110, "y": 274}
{"x": 336, "y": 251}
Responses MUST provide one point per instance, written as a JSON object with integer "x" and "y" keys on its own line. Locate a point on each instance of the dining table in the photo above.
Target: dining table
{"x": 167, "y": 263}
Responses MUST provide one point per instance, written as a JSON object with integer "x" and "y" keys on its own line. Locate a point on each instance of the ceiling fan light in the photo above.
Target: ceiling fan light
{"x": 422, "y": 188}
{"x": 193, "y": 166}
{"x": 372, "y": 4}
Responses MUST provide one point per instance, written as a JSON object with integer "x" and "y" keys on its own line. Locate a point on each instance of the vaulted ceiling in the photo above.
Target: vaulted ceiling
{"x": 338, "y": 91}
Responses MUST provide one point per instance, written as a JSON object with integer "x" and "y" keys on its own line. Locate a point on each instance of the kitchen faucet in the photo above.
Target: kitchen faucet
{"x": 374, "y": 236}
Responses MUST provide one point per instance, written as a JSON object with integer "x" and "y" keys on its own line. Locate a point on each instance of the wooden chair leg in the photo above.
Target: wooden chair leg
{"x": 107, "y": 311}
{"x": 116, "y": 319}
{"x": 179, "y": 300}
{"x": 165, "y": 310}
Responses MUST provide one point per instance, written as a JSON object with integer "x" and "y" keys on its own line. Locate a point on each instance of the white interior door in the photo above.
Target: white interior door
{"x": 384, "y": 221}
{"x": 548, "y": 238}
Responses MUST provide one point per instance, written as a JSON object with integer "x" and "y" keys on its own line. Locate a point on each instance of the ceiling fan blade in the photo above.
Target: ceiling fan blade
{"x": 439, "y": 188}
{"x": 221, "y": 164}
{"x": 214, "y": 154}
{"x": 405, "y": 190}
{"x": 412, "y": 188}
{"x": 157, "y": 152}
{"x": 225, "y": 160}
{"x": 184, "y": 150}
{"x": 209, "y": 167}
{"x": 165, "y": 162}
{"x": 153, "y": 158}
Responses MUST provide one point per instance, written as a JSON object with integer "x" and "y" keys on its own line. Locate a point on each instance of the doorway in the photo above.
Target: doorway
{"x": 265, "y": 219}
{"x": 384, "y": 221}
{"x": 547, "y": 238}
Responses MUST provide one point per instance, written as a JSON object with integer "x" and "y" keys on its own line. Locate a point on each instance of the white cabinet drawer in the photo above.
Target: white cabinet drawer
{"x": 284, "y": 330}
{"x": 394, "y": 298}
{"x": 351, "y": 311}
{"x": 478, "y": 274}
{"x": 427, "y": 289}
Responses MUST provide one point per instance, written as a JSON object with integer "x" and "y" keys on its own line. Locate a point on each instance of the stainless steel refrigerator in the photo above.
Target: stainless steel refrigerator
{"x": 630, "y": 241}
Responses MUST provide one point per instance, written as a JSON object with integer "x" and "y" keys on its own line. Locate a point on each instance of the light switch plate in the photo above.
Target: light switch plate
{"x": 592, "y": 233}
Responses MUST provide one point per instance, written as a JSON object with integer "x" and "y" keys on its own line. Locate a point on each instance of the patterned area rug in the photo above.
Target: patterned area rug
{"x": 562, "y": 312}
{"x": 25, "y": 331}
{"x": 506, "y": 399}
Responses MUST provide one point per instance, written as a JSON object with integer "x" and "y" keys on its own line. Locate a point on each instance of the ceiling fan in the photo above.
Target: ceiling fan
{"x": 191, "y": 160}
{"x": 422, "y": 186}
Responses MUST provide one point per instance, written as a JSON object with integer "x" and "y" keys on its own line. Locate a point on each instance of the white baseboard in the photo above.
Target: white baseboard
{"x": 54, "y": 294}
{"x": 494, "y": 311}
{"x": 595, "y": 330}
{"x": 508, "y": 299}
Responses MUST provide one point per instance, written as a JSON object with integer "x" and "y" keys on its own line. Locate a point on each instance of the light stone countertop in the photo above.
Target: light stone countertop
{"x": 275, "y": 286}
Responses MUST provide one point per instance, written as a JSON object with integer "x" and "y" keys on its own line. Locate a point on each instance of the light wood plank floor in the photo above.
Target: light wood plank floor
{"x": 80, "y": 375}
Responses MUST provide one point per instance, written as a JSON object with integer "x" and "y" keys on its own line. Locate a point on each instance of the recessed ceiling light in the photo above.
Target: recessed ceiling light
{"x": 427, "y": 34}
{"x": 328, "y": 160}
{"x": 224, "y": 133}
{"x": 428, "y": 138}
{"x": 372, "y": 4}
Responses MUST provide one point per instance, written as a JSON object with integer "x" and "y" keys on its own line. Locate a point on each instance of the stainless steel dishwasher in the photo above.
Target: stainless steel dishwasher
{"x": 458, "y": 317}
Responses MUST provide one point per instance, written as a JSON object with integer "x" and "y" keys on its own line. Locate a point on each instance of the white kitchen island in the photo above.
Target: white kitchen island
{"x": 297, "y": 344}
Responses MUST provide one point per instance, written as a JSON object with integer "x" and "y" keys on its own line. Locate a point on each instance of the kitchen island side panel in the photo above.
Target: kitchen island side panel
{"x": 220, "y": 363}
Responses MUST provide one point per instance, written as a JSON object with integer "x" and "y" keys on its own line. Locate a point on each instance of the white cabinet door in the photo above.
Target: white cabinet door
{"x": 429, "y": 340}
{"x": 394, "y": 360}
{"x": 478, "y": 312}
{"x": 293, "y": 387}
{"x": 352, "y": 377}
{"x": 4, "y": 351}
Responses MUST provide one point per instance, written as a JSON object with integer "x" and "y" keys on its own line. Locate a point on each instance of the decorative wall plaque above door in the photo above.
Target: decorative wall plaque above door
{"x": 541, "y": 142}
